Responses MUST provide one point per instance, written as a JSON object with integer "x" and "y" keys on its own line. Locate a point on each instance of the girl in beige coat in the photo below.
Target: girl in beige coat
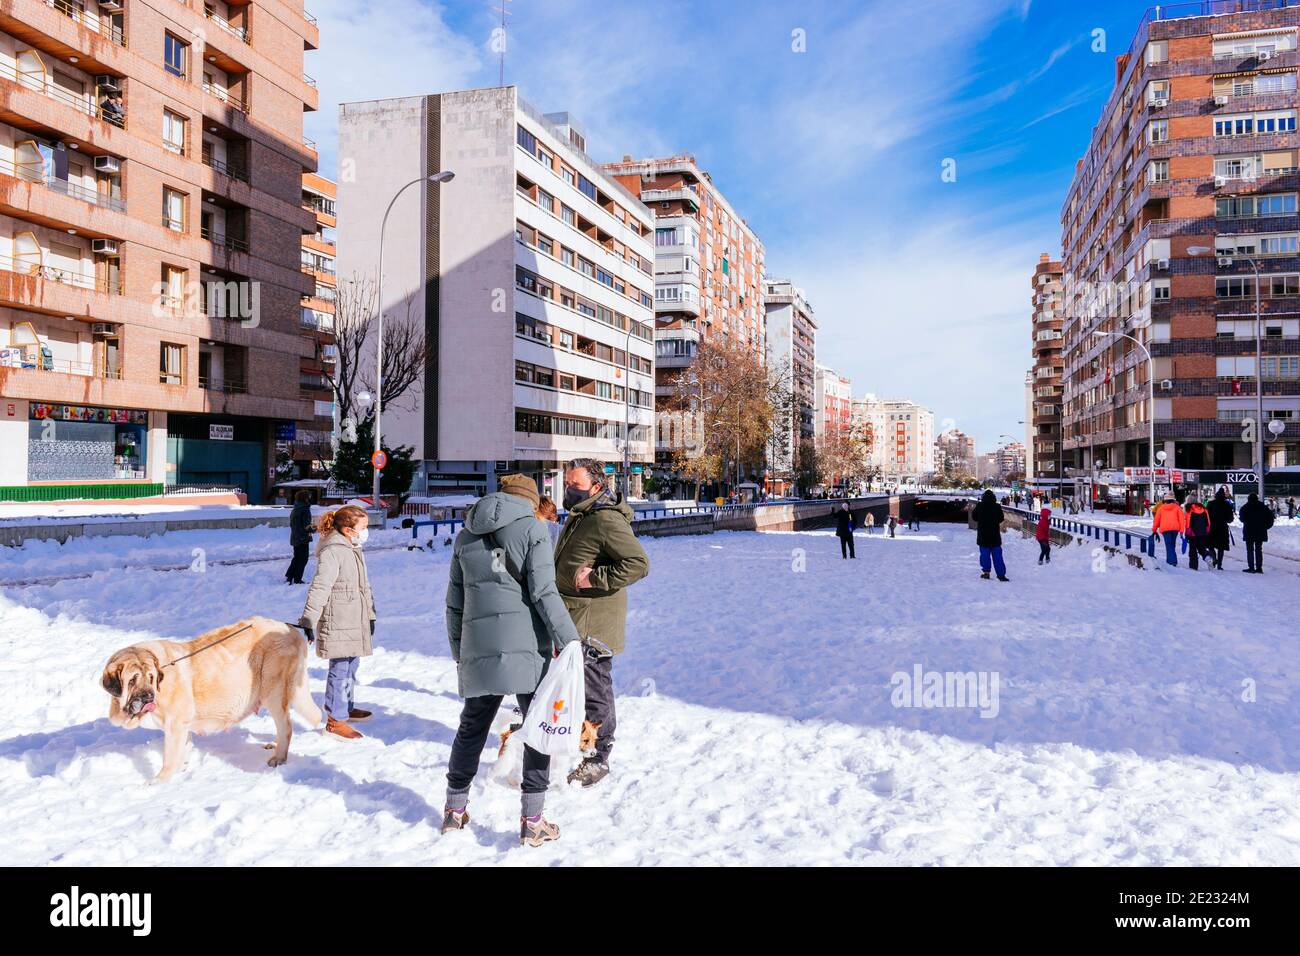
{"x": 340, "y": 613}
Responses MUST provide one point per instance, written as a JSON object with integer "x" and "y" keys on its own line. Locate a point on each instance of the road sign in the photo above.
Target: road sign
{"x": 379, "y": 460}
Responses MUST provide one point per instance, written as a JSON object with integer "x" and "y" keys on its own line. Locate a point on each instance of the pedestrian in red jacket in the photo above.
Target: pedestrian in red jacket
{"x": 1044, "y": 535}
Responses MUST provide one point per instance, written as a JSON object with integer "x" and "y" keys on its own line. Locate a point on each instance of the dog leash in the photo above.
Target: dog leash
{"x": 216, "y": 642}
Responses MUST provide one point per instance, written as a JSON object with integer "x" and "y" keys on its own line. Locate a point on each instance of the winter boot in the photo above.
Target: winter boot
{"x": 356, "y": 713}
{"x": 985, "y": 575}
{"x": 454, "y": 819}
{"x": 342, "y": 730}
{"x": 1003, "y": 577}
{"x": 590, "y": 772}
{"x": 534, "y": 831}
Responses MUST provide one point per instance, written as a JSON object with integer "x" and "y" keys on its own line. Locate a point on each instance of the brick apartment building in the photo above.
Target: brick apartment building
{"x": 833, "y": 400}
{"x": 151, "y": 161}
{"x": 1196, "y": 147}
{"x": 532, "y": 273}
{"x": 311, "y": 445}
{"x": 708, "y": 269}
{"x": 1044, "y": 453}
{"x": 902, "y": 436}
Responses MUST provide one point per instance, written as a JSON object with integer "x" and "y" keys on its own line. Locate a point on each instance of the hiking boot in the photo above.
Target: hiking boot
{"x": 591, "y": 771}
{"x": 454, "y": 819}
{"x": 534, "y": 831}
{"x": 356, "y": 713}
{"x": 1003, "y": 577}
{"x": 340, "y": 729}
{"x": 985, "y": 575}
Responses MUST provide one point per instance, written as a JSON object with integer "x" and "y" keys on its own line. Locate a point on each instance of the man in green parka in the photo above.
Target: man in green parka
{"x": 596, "y": 558}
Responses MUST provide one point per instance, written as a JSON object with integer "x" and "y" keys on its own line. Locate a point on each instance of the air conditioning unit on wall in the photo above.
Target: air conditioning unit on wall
{"x": 108, "y": 164}
{"x": 104, "y": 247}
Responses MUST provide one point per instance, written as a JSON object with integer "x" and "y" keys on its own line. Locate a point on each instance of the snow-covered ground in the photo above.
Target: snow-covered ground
{"x": 1141, "y": 717}
{"x": 83, "y": 512}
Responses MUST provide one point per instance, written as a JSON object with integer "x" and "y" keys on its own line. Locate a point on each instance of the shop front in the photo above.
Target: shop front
{"x": 74, "y": 443}
{"x": 220, "y": 450}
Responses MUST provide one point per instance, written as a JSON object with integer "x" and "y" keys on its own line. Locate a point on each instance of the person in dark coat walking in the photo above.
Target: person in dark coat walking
{"x": 988, "y": 517}
{"x": 1256, "y": 519}
{"x": 505, "y": 619}
{"x": 299, "y": 537}
{"x": 844, "y": 531}
{"x": 1222, "y": 514}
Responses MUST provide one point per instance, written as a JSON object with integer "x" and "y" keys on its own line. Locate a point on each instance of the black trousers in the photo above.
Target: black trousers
{"x": 1255, "y": 555}
{"x": 299, "y": 563}
{"x": 846, "y": 547}
{"x": 599, "y": 682}
{"x": 1216, "y": 555}
{"x": 475, "y": 725}
{"x": 1197, "y": 549}
{"x": 1045, "y": 551}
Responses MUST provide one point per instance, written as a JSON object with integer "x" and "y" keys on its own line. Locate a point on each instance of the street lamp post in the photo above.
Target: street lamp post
{"x": 442, "y": 177}
{"x": 1151, "y": 412}
{"x": 1259, "y": 364}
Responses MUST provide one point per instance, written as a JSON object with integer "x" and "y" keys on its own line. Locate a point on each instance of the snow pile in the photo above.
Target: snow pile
{"x": 1141, "y": 717}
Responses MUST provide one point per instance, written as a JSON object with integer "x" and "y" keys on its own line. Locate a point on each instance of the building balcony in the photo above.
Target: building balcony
{"x": 240, "y": 33}
{"x": 21, "y": 82}
{"x": 31, "y": 173}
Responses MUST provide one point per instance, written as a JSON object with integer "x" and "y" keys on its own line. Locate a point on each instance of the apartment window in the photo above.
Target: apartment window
{"x": 1158, "y": 90}
{"x": 546, "y": 201}
{"x": 1160, "y": 291}
{"x": 568, "y": 215}
{"x": 1158, "y": 171}
{"x": 1158, "y": 131}
{"x": 1280, "y": 366}
{"x": 173, "y": 132}
{"x": 1158, "y": 51}
{"x": 545, "y": 245}
{"x": 568, "y": 257}
{"x": 586, "y": 268}
{"x": 586, "y": 187}
{"x": 1282, "y": 121}
{"x": 173, "y": 287}
{"x": 176, "y": 55}
{"x": 173, "y": 209}
{"x": 171, "y": 364}
{"x": 566, "y": 174}
{"x": 526, "y": 139}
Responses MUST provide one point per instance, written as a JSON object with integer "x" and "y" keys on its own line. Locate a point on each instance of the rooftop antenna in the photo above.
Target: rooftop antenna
{"x": 499, "y": 38}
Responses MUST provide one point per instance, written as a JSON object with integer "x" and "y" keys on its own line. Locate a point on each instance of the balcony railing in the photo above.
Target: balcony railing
{"x": 227, "y": 97}
{"x": 227, "y": 386}
{"x": 38, "y": 82}
{"x": 240, "y": 32}
{"x": 61, "y": 276}
{"x": 66, "y": 367}
{"x": 100, "y": 24}
{"x": 223, "y": 240}
{"x": 62, "y": 186}
{"x": 233, "y": 170}
{"x": 308, "y": 80}
{"x": 310, "y": 19}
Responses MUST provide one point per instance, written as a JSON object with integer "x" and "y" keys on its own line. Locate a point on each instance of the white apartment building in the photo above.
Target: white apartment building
{"x": 792, "y": 344}
{"x": 902, "y": 436}
{"x": 532, "y": 271}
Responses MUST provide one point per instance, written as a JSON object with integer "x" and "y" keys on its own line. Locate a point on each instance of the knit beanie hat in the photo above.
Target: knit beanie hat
{"x": 520, "y": 485}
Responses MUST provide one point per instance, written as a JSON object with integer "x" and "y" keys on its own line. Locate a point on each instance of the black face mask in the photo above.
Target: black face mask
{"x": 574, "y": 496}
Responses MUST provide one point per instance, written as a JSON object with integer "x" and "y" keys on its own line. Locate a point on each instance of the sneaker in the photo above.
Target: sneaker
{"x": 534, "y": 831}
{"x": 356, "y": 713}
{"x": 591, "y": 771}
{"x": 454, "y": 819}
{"x": 342, "y": 730}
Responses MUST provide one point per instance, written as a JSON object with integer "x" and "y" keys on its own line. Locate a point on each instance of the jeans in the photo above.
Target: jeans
{"x": 599, "y": 682}
{"x": 340, "y": 680}
{"x": 846, "y": 547}
{"x": 1255, "y": 555}
{"x": 992, "y": 557}
{"x": 475, "y": 725}
{"x": 1171, "y": 547}
{"x": 298, "y": 564}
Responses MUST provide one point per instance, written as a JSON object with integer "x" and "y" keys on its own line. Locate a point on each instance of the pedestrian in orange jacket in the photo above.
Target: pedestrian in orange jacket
{"x": 1169, "y": 521}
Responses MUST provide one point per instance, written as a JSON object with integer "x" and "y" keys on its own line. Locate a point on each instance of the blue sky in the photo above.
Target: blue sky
{"x": 834, "y": 154}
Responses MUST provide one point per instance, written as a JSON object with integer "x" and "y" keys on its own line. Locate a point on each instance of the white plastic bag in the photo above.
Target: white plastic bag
{"x": 554, "y": 722}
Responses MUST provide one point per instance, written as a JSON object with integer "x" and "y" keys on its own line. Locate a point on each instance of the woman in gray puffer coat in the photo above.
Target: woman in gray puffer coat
{"x": 505, "y": 622}
{"x": 340, "y": 613}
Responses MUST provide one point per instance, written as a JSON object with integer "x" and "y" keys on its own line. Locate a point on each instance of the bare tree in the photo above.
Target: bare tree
{"x": 406, "y": 352}
{"x": 354, "y": 310}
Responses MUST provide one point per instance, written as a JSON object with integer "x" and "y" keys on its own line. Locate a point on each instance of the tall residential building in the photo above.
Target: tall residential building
{"x": 531, "y": 273}
{"x": 902, "y": 436}
{"x": 833, "y": 401}
{"x": 312, "y": 443}
{"x": 955, "y": 453}
{"x": 792, "y": 346}
{"x": 708, "y": 269}
{"x": 1196, "y": 147}
{"x": 152, "y": 159}
{"x": 1044, "y": 421}
{"x": 1028, "y": 422}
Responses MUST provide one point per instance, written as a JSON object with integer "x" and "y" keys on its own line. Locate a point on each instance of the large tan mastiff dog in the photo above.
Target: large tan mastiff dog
{"x": 210, "y": 684}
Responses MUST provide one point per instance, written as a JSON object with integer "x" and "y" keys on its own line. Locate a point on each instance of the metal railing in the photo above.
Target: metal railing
{"x": 223, "y": 240}
{"x": 36, "y": 81}
{"x": 226, "y": 386}
{"x": 308, "y": 80}
{"x": 100, "y": 24}
{"x": 1143, "y": 542}
{"x": 64, "y": 186}
{"x": 233, "y": 170}
{"x": 196, "y": 488}
{"x": 224, "y": 94}
{"x": 240, "y": 32}
{"x": 67, "y": 367}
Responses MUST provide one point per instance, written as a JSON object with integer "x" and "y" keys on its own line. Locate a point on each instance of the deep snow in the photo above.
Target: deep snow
{"x": 756, "y": 716}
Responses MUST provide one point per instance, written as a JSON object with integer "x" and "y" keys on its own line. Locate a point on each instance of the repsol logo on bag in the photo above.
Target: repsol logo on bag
{"x": 558, "y": 709}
